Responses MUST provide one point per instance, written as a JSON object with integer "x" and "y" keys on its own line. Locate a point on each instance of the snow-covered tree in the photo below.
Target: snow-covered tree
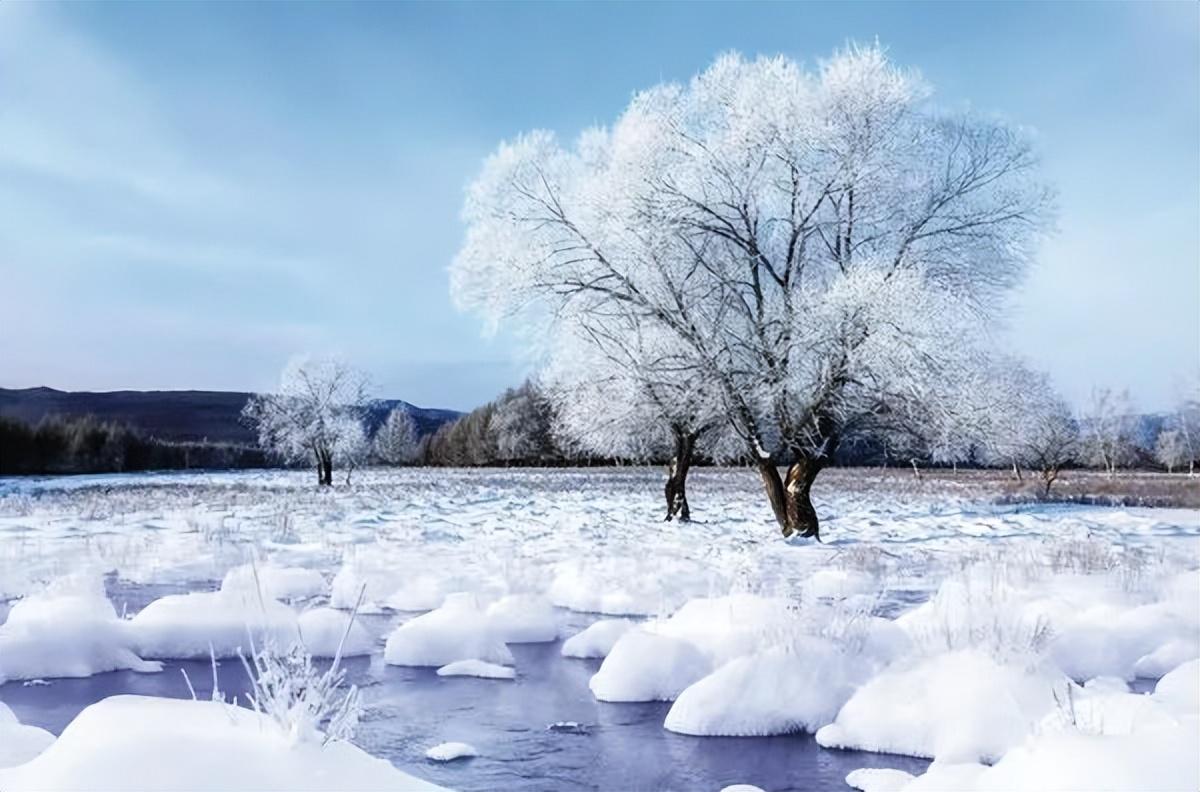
{"x": 619, "y": 390}
{"x": 1171, "y": 450}
{"x": 1108, "y": 430}
{"x": 352, "y": 447}
{"x": 1186, "y": 422}
{"x": 820, "y": 247}
{"x": 316, "y": 415}
{"x": 398, "y": 442}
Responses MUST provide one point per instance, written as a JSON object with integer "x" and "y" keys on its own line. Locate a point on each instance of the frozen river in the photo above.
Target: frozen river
{"x": 591, "y": 542}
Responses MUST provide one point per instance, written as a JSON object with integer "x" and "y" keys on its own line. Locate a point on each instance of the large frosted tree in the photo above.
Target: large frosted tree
{"x": 316, "y": 415}
{"x": 824, "y": 248}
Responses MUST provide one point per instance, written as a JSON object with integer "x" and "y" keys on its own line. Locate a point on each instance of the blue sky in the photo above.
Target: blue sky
{"x": 191, "y": 193}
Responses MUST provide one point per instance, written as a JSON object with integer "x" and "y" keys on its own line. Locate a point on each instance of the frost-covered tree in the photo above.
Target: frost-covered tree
{"x": 621, "y": 389}
{"x": 1186, "y": 422}
{"x": 316, "y": 414}
{"x": 352, "y": 447}
{"x": 398, "y": 442}
{"x": 1109, "y": 427}
{"x": 819, "y": 246}
{"x": 1171, "y": 450}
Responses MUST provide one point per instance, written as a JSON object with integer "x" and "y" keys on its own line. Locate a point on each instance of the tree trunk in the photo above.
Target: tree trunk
{"x": 1049, "y": 476}
{"x": 326, "y": 469}
{"x": 676, "y": 487}
{"x": 789, "y": 496}
{"x": 916, "y": 468}
{"x": 1017, "y": 471}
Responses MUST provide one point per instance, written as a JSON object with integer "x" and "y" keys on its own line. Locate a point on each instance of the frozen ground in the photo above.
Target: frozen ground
{"x": 931, "y": 625}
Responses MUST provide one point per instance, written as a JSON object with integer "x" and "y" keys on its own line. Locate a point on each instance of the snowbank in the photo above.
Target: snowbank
{"x": 68, "y": 630}
{"x": 777, "y": 691}
{"x": 955, "y": 707}
{"x": 321, "y": 630}
{"x": 597, "y": 639}
{"x": 524, "y": 618}
{"x": 19, "y": 743}
{"x": 282, "y": 583}
{"x": 477, "y": 668}
{"x": 456, "y": 631}
{"x": 142, "y": 743}
{"x": 184, "y": 626}
{"x": 645, "y": 666}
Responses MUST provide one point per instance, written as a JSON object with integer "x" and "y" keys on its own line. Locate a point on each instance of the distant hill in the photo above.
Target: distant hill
{"x": 189, "y": 415}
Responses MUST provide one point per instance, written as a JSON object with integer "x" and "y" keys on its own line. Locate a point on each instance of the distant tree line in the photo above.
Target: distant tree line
{"x": 85, "y": 444}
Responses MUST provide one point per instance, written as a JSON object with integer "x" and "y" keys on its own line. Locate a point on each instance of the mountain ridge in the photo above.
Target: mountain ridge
{"x": 176, "y": 415}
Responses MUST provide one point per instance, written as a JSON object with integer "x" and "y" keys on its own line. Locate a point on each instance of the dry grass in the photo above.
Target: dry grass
{"x": 1127, "y": 488}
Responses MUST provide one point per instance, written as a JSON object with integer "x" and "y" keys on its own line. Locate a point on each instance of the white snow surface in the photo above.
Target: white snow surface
{"x": 322, "y": 631}
{"x": 961, "y": 623}
{"x": 157, "y": 744}
{"x": 458, "y": 630}
{"x": 647, "y": 666}
{"x": 597, "y": 639}
{"x": 69, "y": 629}
{"x": 19, "y": 742}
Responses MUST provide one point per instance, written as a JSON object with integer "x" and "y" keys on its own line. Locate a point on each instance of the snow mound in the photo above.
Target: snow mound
{"x": 778, "y": 691}
{"x": 321, "y": 630}
{"x": 960, "y": 706}
{"x": 837, "y": 584}
{"x": 524, "y": 618}
{"x": 645, "y": 666}
{"x": 731, "y": 626}
{"x": 142, "y": 743}
{"x": 878, "y": 779}
{"x": 1180, "y": 689}
{"x": 449, "y": 751}
{"x": 1170, "y": 655}
{"x": 19, "y": 743}
{"x": 617, "y": 586}
{"x": 456, "y": 631}
{"x": 184, "y": 626}
{"x": 281, "y": 583}
{"x": 597, "y": 639}
{"x": 477, "y": 668}
{"x": 69, "y": 630}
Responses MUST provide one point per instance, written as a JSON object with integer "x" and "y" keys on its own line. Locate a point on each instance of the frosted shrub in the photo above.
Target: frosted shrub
{"x": 308, "y": 704}
{"x": 978, "y": 612}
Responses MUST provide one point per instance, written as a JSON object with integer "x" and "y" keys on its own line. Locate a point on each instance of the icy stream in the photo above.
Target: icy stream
{"x": 543, "y": 731}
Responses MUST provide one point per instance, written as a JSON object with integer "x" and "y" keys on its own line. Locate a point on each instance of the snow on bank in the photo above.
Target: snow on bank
{"x": 523, "y": 618}
{"x": 1098, "y": 738}
{"x": 458, "y": 630}
{"x": 18, "y": 742}
{"x": 646, "y": 666}
{"x": 68, "y": 630}
{"x": 144, "y": 744}
{"x": 953, "y": 707}
{"x": 190, "y": 626}
{"x": 322, "y": 629}
{"x": 778, "y": 691}
{"x": 281, "y": 583}
{"x": 597, "y": 639}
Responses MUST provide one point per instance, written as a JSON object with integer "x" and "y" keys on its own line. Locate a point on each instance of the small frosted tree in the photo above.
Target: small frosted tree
{"x": 1108, "y": 430}
{"x": 822, "y": 248}
{"x": 1171, "y": 450}
{"x": 398, "y": 441}
{"x": 316, "y": 414}
{"x": 619, "y": 390}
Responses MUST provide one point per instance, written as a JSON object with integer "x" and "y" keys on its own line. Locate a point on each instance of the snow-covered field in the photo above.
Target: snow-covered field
{"x": 1003, "y": 642}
